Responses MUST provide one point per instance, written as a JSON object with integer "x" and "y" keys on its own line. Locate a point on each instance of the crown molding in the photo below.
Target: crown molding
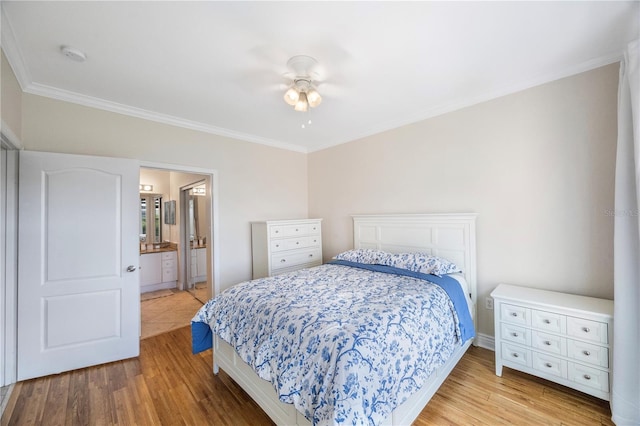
{"x": 470, "y": 101}
{"x": 92, "y": 102}
{"x": 12, "y": 52}
{"x": 8, "y": 139}
{"x": 17, "y": 63}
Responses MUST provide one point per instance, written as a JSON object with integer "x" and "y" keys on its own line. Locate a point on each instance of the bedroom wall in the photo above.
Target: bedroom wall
{"x": 256, "y": 182}
{"x": 537, "y": 166}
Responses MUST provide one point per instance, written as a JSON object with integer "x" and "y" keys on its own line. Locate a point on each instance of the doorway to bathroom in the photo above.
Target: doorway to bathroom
{"x": 177, "y": 256}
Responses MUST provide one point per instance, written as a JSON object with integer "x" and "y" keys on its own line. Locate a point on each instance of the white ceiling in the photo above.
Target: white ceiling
{"x": 218, "y": 66}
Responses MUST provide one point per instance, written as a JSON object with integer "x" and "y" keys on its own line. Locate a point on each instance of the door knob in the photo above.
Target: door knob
{"x": 131, "y": 268}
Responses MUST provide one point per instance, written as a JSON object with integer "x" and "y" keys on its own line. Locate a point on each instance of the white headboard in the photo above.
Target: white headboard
{"x": 448, "y": 235}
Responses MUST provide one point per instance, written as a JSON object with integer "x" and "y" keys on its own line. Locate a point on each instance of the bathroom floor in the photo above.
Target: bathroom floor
{"x": 163, "y": 311}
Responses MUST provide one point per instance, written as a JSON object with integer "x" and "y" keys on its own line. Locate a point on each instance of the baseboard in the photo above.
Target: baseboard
{"x": 485, "y": 341}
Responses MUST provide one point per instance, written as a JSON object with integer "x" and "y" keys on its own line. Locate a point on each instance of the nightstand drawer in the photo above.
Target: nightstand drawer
{"x": 587, "y": 376}
{"x": 587, "y": 329}
{"x": 549, "y": 343}
{"x": 516, "y": 354}
{"x": 548, "y": 364}
{"x": 587, "y": 352}
{"x": 564, "y": 338}
{"x": 516, "y": 334}
{"x": 515, "y": 314}
{"x": 548, "y": 321}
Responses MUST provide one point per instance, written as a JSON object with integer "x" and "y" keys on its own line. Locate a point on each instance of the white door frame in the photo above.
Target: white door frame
{"x": 9, "y": 253}
{"x": 213, "y": 230}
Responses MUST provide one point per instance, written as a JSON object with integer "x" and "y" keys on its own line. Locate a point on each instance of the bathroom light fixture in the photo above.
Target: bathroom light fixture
{"x": 146, "y": 187}
{"x": 302, "y": 94}
{"x": 199, "y": 191}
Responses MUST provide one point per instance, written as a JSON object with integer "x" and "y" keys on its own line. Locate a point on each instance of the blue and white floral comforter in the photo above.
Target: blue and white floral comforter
{"x": 344, "y": 345}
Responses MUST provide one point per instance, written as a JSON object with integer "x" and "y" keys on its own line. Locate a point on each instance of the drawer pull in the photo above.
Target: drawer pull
{"x": 586, "y": 353}
{"x": 586, "y": 329}
{"x": 515, "y": 355}
{"x": 277, "y": 245}
{"x": 514, "y": 334}
{"x": 277, "y": 231}
{"x": 283, "y": 260}
{"x": 548, "y": 343}
{"x": 547, "y": 321}
{"x": 548, "y": 365}
{"x": 296, "y": 229}
{"x": 297, "y": 242}
{"x": 587, "y": 377}
{"x": 310, "y": 255}
{"x": 514, "y": 314}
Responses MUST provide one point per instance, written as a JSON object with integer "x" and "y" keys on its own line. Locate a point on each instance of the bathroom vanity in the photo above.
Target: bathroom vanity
{"x": 158, "y": 269}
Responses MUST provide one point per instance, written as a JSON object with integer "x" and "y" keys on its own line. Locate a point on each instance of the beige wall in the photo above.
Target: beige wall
{"x": 537, "y": 166}
{"x": 11, "y": 99}
{"x": 255, "y": 182}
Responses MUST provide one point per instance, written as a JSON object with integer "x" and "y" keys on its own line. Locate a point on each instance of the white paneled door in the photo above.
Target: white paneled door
{"x": 78, "y": 289}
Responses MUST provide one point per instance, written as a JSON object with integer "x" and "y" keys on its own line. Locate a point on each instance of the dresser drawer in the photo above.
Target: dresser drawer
{"x": 285, "y": 260}
{"x": 516, "y": 354}
{"x": 587, "y": 330}
{"x": 289, "y": 230}
{"x": 516, "y": 334}
{"x": 587, "y": 376}
{"x": 587, "y": 352}
{"x": 515, "y": 314}
{"x": 549, "y": 364}
{"x": 549, "y": 343}
{"x": 548, "y": 321}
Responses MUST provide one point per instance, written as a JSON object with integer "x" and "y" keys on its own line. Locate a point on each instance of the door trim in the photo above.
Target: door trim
{"x": 9, "y": 299}
{"x": 213, "y": 232}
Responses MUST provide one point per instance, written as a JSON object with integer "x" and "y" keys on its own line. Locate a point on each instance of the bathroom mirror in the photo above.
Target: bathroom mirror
{"x": 150, "y": 218}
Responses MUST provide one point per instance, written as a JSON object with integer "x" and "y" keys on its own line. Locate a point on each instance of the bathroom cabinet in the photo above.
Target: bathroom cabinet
{"x": 158, "y": 271}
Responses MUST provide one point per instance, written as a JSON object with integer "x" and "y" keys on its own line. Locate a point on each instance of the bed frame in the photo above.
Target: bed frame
{"x": 446, "y": 235}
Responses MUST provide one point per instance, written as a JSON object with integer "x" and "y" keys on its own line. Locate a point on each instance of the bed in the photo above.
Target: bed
{"x": 349, "y": 363}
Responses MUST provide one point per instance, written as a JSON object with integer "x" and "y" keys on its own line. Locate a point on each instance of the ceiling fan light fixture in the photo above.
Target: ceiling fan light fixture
{"x": 314, "y": 98}
{"x": 291, "y": 96}
{"x": 302, "y": 94}
{"x": 302, "y": 105}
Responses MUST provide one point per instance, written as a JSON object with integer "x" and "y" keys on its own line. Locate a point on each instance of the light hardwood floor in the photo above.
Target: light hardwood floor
{"x": 167, "y": 385}
{"x": 162, "y": 314}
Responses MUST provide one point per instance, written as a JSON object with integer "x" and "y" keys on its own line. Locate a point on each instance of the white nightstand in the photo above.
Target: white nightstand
{"x": 557, "y": 336}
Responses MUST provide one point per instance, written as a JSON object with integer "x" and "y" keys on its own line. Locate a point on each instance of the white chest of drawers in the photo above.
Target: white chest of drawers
{"x": 560, "y": 337}
{"x": 280, "y": 246}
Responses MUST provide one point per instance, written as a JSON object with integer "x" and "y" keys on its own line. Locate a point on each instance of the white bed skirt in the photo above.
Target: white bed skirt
{"x": 264, "y": 394}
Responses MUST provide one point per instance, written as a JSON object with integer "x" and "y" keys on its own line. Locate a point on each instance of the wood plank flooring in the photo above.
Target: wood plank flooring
{"x": 167, "y": 385}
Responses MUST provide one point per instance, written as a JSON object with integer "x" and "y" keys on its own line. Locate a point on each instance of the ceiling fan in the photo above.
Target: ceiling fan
{"x": 302, "y": 92}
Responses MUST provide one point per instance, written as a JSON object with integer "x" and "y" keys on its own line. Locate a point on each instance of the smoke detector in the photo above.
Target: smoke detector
{"x": 73, "y": 54}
